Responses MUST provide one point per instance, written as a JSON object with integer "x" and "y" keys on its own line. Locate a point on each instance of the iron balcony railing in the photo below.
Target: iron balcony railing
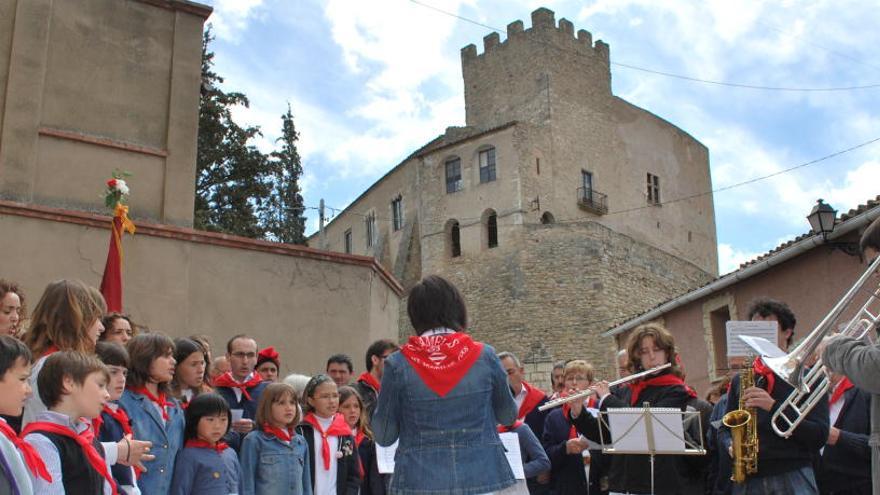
{"x": 591, "y": 200}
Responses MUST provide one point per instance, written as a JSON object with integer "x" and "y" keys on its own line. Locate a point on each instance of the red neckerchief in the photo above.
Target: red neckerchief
{"x": 358, "y": 438}
{"x": 657, "y": 381}
{"x": 842, "y": 387}
{"x": 29, "y": 454}
{"x": 52, "y": 349}
{"x": 442, "y": 360}
{"x": 92, "y": 455}
{"x": 370, "y": 380}
{"x": 566, "y": 413}
{"x": 508, "y": 429}
{"x": 159, "y": 401}
{"x": 198, "y": 443}
{"x": 280, "y": 433}
{"x": 337, "y": 428}
{"x": 226, "y": 380}
{"x": 762, "y": 369}
{"x": 534, "y": 396}
{"x": 121, "y": 417}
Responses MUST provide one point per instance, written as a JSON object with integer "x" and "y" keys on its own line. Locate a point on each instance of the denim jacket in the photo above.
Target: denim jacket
{"x": 269, "y": 466}
{"x": 146, "y": 424}
{"x": 448, "y": 445}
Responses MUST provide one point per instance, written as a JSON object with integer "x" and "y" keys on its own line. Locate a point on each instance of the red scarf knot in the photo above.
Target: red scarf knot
{"x": 657, "y": 381}
{"x": 121, "y": 417}
{"x": 226, "y": 380}
{"x": 762, "y": 369}
{"x": 370, "y": 380}
{"x": 337, "y": 428}
{"x": 842, "y": 386}
{"x": 285, "y": 435}
{"x": 95, "y": 459}
{"x": 534, "y": 396}
{"x": 160, "y": 401}
{"x": 198, "y": 443}
{"x": 442, "y": 360}
{"x": 29, "y": 454}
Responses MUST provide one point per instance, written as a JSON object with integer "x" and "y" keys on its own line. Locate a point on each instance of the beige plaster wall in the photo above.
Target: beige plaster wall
{"x": 307, "y": 304}
{"x": 95, "y": 85}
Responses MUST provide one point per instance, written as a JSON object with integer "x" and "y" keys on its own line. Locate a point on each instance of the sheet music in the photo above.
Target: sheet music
{"x": 736, "y": 347}
{"x": 514, "y": 456}
{"x": 629, "y": 431}
{"x": 385, "y": 458}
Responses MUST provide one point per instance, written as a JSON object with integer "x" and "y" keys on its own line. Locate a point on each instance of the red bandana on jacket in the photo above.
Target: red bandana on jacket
{"x": 282, "y": 434}
{"x": 508, "y": 429}
{"x": 198, "y": 443}
{"x": 534, "y": 396}
{"x": 763, "y": 370}
{"x": 841, "y": 388}
{"x": 657, "y": 381}
{"x": 160, "y": 401}
{"x": 121, "y": 417}
{"x": 337, "y": 428}
{"x": 92, "y": 455}
{"x": 370, "y": 380}
{"x": 29, "y": 454}
{"x": 226, "y": 380}
{"x": 358, "y": 439}
{"x": 442, "y": 360}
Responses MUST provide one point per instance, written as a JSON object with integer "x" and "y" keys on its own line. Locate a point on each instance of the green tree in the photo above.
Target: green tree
{"x": 283, "y": 214}
{"x": 233, "y": 178}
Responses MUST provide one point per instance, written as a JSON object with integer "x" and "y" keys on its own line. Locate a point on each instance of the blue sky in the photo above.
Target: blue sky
{"x": 371, "y": 81}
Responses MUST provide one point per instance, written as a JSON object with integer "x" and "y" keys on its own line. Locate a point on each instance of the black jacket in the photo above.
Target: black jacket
{"x": 846, "y": 465}
{"x": 348, "y": 479}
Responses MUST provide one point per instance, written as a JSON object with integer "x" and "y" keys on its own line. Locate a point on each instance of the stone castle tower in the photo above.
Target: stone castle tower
{"x": 548, "y": 208}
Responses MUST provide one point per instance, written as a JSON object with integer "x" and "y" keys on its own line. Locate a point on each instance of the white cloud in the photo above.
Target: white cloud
{"x": 729, "y": 258}
{"x": 231, "y": 17}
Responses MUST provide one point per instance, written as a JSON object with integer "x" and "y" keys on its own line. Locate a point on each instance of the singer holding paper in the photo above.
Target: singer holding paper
{"x": 442, "y": 396}
{"x": 650, "y": 345}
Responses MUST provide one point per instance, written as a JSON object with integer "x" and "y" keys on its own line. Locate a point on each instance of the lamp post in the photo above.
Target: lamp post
{"x": 822, "y": 218}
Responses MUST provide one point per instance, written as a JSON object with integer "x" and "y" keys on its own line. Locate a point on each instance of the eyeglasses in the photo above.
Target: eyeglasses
{"x": 244, "y": 355}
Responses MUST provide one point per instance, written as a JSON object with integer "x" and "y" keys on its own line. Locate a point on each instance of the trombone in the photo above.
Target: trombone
{"x": 811, "y": 387}
{"x": 586, "y": 393}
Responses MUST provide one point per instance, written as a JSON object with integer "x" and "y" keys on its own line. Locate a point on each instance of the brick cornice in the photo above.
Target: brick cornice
{"x": 199, "y": 237}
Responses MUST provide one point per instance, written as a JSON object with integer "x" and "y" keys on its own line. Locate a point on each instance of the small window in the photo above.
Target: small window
{"x": 347, "y": 241}
{"x": 487, "y": 165}
{"x": 454, "y": 239}
{"x": 587, "y": 184}
{"x": 653, "y": 189}
{"x": 492, "y": 230}
{"x": 370, "y": 223}
{"x": 453, "y": 175}
{"x": 397, "y": 213}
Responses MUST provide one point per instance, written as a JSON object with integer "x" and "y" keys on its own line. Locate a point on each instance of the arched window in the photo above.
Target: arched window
{"x": 490, "y": 229}
{"x": 453, "y": 236}
{"x": 547, "y": 218}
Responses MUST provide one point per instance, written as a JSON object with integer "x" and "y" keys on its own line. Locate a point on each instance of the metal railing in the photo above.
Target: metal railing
{"x": 591, "y": 200}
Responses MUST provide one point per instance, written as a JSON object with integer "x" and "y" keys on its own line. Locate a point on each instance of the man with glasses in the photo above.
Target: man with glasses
{"x": 370, "y": 381}
{"x": 241, "y": 387}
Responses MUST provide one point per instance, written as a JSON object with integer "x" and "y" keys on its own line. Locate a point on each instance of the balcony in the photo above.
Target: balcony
{"x": 593, "y": 201}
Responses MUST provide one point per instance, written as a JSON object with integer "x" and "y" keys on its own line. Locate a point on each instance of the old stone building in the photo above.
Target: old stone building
{"x": 549, "y": 208}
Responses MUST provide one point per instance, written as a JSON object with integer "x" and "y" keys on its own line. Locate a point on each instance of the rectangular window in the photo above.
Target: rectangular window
{"x": 653, "y": 189}
{"x": 397, "y": 213}
{"x": 587, "y": 184}
{"x": 453, "y": 175}
{"x": 347, "y": 241}
{"x": 370, "y": 224}
{"x": 492, "y": 228}
{"x": 487, "y": 165}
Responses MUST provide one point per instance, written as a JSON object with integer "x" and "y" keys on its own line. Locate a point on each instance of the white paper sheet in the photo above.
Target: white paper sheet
{"x": 385, "y": 458}
{"x": 629, "y": 431}
{"x": 514, "y": 456}
{"x": 736, "y": 347}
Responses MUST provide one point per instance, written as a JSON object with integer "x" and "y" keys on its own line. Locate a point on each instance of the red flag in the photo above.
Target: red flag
{"x": 111, "y": 284}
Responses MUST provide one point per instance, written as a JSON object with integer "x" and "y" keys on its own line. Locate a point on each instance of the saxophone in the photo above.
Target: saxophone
{"x": 744, "y": 430}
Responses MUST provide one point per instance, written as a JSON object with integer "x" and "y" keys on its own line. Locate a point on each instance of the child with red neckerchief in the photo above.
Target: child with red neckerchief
{"x": 352, "y": 408}
{"x": 207, "y": 465}
{"x": 332, "y": 450}
{"x": 276, "y": 439}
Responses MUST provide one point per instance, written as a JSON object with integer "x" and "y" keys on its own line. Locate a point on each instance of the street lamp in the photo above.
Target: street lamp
{"x": 822, "y": 218}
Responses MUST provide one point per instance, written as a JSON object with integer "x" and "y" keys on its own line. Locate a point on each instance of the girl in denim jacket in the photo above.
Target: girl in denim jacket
{"x": 275, "y": 459}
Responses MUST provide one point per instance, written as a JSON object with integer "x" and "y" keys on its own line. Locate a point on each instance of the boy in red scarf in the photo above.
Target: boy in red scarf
{"x": 370, "y": 381}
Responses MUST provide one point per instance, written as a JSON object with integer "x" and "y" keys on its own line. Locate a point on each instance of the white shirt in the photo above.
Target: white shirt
{"x": 325, "y": 479}
{"x": 21, "y": 475}
{"x": 521, "y": 397}
{"x": 237, "y": 391}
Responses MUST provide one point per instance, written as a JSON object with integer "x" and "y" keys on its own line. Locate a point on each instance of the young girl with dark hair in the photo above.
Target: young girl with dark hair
{"x": 274, "y": 459}
{"x": 154, "y": 416}
{"x": 189, "y": 373}
{"x": 332, "y": 452}
{"x": 207, "y": 465}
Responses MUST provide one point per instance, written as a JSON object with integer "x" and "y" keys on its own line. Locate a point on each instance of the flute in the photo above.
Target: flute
{"x": 586, "y": 393}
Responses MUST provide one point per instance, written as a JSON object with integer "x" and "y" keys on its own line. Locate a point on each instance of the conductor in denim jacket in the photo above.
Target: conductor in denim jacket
{"x": 442, "y": 396}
